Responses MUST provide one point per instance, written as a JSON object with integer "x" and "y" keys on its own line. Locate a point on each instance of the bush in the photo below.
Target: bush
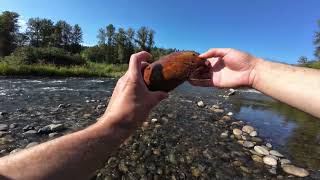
{"x": 312, "y": 64}
{"x": 51, "y": 55}
{"x": 95, "y": 54}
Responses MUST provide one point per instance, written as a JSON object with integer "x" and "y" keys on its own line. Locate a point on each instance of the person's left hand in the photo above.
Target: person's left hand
{"x": 131, "y": 100}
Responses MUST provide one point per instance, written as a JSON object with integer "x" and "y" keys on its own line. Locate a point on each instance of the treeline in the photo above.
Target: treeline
{"x": 315, "y": 63}
{"x": 45, "y": 41}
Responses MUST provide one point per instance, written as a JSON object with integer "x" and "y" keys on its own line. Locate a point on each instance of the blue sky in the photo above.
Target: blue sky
{"x": 280, "y": 30}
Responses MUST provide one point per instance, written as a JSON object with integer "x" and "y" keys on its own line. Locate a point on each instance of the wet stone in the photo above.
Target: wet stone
{"x": 253, "y": 134}
{"x": 256, "y": 139}
{"x": 13, "y": 125}
{"x": 245, "y": 169}
{"x": 256, "y": 158}
{"x": 4, "y": 127}
{"x": 261, "y": 150}
{"x": 269, "y": 145}
{"x": 275, "y": 153}
{"x": 200, "y": 104}
{"x": 247, "y": 129}
{"x": 51, "y": 135}
{"x": 237, "y": 132}
{"x": 284, "y": 161}
{"x": 269, "y": 160}
{"x": 230, "y": 114}
{"x": 32, "y": 144}
{"x": 248, "y": 144}
{"x": 273, "y": 170}
{"x": 30, "y": 133}
{"x": 296, "y": 171}
{"x": 154, "y": 120}
{"x": 224, "y": 135}
{"x": 195, "y": 172}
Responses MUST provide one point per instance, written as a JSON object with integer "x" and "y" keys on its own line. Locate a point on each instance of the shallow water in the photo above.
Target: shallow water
{"x": 294, "y": 133}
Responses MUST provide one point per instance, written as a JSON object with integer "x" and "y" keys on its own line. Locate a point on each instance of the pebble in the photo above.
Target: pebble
{"x": 4, "y": 127}
{"x": 13, "y": 125}
{"x": 172, "y": 158}
{"x": 226, "y": 118}
{"x": 275, "y": 153}
{"x": 86, "y": 115}
{"x": 195, "y": 172}
{"x": 284, "y": 161}
{"x": 122, "y": 167}
{"x": 261, "y": 150}
{"x": 245, "y": 169}
{"x": 248, "y": 144}
{"x": 218, "y": 110}
{"x": 269, "y": 160}
{"x": 256, "y": 139}
{"x": 231, "y": 92}
{"x": 296, "y": 171}
{"x": 215, "y": 106}
{"x": 253, "y": 134}
{"x": 156, "y": 152}
{"x": 273, "y": 170}
{"x": 248, "y": 129}
{"x": 224, "y": 135}
{"x": 257, "y": 158}
{"x": 269, "y": 145}
{"x": 54, "y": 134}
{"x": 27, "y": 127}
{"x": 51, "y": 128}
{"x": 154, "y": 120}
{"x": 230, "y": 114}
{"x": 237, "y": 132}
{"x": 30, "y": 133}
{"x": 200, "y": 104}
{"x": 32, "y": 144}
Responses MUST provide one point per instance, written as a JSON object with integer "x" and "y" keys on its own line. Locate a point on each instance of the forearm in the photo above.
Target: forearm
{"x": 296, "y": 86}
{"x": 75, "y": 156}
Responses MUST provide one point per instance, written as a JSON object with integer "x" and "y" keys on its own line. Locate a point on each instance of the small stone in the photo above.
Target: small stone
{"x": 13, "y": 125}
{"x": 269, "y": 160}
{"x": 218, "y": 111}
{"x": 244, "y": 137}
{"x": 4, "y": 127}
{"x": 200, "y": 104}
{"x": 195, "y": 172}
{"x": 245, "y": 169}
{"x": 86, "y": 115}
{"x": 54, "y": 134}
{"x": 257, "y": 158}
{"x": 240, "y": 142}
{"x": 122, "y": 167}
{"x": 145, "y": 124}
{"x": 230, "y": 114}
{"x": 296, "y": 171}
{"x": 248, "y": 129}
{"x": 32, "y": 144}
{"x": 27, "y": 127}
{"x": 154, "y": 120}
{"x": 269, "y": 145}
{"x": 275, "y": 153}
{"x": 172, "y": 158}
{"x": 157, "y": 126}
{"x": 100, "y": 106}
{"x": 51, "y": 128}
{"x": 237, "y": 132}
{"x": 284, "y": 161}
{"x": 15, "y": 150}
{"x": 236, "y": 163}
{"x": 226, "y": 118}
{"x": 224, "y": 135}
{"x": 87, "y": 101}
{"x": 261, "y": 150}
{"x": 170, "y": 115}
{"x": 253, "y": 134}
{"x": 30, "y": 133}
{"x": 156, "y": 152}
{"x": 248, "y": 144}
{"x": 273, "y": 170}
{"x": 256, "y": 139}
{"x": 231, "y": 92}
{"x": 215, "y": 106}
{"x": 164, "y": 120}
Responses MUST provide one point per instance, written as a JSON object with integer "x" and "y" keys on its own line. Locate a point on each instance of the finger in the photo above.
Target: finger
{"x": 201, "y": 82}
{"x": 135, "y": 62}
{"x": 215, "y": 52}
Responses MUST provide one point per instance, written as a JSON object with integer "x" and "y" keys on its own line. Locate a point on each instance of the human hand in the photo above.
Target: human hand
{"x": 131, "y": 100}
{"x": 227, "y": 68}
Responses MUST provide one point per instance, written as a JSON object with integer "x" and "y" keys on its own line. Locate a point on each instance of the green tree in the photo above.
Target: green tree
{"x": 76, "y": 39}
{"x": 64, "y": 34}
{"x": 303, "y": 60}
{"x": 102, "y": 36}
{"x": 317, "y": 42}
{"x": 150, "y": 41}
{"x": 111, "y": 49}
{"x": 121, "y": 42}
{"x": 8, "y": 31}
{"x": 40, "y": 32}
{"x": 142, "y": 37}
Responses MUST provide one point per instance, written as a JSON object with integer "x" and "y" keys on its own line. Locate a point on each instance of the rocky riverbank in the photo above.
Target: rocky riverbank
{"x": 185, "y": 137}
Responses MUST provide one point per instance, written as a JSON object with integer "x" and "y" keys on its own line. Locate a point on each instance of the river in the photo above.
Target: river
{"x": 292, "y": 132}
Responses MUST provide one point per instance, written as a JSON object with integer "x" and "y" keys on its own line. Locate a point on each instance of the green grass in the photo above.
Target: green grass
{"x": 89, "y": 70}
{"x": 313, "y": 64}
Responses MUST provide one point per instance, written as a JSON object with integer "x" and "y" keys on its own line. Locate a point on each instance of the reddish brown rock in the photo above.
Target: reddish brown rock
{"x": 172, "y": 70}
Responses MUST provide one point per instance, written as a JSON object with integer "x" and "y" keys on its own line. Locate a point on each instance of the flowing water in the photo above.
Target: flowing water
{"x": 294, "y": 133}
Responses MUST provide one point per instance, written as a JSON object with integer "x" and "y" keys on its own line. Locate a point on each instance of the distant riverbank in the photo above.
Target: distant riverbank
{"x": 49, "y": 70}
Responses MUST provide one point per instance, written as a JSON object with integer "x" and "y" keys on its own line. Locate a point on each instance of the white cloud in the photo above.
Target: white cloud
{"x": 23, "y": 24}
{"x": 87, "y": 44}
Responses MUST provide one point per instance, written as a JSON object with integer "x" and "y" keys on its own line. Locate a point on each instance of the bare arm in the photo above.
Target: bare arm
{"x": 78, "y": 155}
{"x": 296, "y": 86}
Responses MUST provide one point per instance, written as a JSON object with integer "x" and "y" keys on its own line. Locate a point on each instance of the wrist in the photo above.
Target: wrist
{"x": 255, "y": 72}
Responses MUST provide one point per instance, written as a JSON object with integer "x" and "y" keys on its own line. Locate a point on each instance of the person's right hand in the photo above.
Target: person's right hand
{"x": 228, "y": 68}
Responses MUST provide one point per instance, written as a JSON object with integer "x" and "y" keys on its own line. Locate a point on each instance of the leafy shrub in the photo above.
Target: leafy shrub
{"x": 94, "y": 54}
{"x": 51, "y": 55}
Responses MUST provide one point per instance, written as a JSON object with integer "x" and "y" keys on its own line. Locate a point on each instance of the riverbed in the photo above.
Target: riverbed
{"x": 180, "y": 139}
